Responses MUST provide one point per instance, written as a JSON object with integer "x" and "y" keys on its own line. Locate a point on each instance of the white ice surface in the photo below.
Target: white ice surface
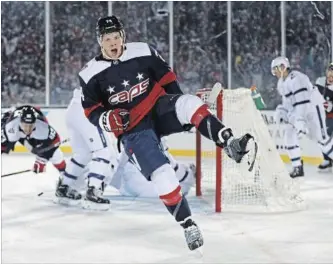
{"x": 35, "y": 230}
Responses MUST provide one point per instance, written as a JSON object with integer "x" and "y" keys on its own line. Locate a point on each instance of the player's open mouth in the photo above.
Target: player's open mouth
{"x": 114, "y": 52}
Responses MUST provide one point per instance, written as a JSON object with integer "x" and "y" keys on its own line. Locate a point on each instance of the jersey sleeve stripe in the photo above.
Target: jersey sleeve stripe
{"x": 89, "y": 110}
{"x": 169, "y": 77}
{"x": 301, "y": 102}
{"x": 300, "y": 90}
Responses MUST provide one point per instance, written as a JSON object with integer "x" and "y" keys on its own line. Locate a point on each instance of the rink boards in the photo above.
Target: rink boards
{"x": 183, "y": 144}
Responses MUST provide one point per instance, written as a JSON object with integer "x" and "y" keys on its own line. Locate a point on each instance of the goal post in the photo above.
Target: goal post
{"x": 223, "y": 182}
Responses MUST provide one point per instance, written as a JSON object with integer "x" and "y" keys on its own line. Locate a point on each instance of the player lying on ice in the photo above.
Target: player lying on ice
{"x": 27, "y": 125}
{"x": 302, "y": 110}
{"x": 130, "y": 182}
{"x": 131, "y": 91}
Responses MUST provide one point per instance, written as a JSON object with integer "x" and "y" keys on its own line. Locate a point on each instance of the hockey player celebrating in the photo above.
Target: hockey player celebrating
{"x": 93, "y": 150}
{"x": 325, "y": 87}
{"x": 27, "y": 125}
{"x": 131, "y": 91}
{"x": 302, "y": 109}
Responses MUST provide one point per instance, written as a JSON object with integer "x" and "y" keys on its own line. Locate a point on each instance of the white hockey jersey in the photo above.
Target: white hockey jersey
{"x": 42, "y": 135}
{"x": 14, "y": 133}
{"x": 299, "y": 96}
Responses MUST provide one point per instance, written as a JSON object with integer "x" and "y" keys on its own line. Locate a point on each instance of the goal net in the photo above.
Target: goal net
{"x": 227, "y": 184}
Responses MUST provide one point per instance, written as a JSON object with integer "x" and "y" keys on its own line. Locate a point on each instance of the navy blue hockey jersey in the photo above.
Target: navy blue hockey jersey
{"x": 326, "y": 90}
{"x": 134, "y": 82}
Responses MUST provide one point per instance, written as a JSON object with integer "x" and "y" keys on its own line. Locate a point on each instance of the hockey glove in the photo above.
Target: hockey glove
{"x": 328, "y": 106}
{"x": 6, "y": 146}
{"x": 39, "y": 165}
{"x": 116, "y": 121}
{"x": 280, "y": 114}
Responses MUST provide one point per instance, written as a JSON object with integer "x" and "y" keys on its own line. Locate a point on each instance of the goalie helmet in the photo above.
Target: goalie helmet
{"x": 278, "y": 62}
{"x": 28, "y": 115}
{"x": 109, "y": 24}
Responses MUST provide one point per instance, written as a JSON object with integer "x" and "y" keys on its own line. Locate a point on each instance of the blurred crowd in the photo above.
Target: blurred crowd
{"x": 200, "y": 43}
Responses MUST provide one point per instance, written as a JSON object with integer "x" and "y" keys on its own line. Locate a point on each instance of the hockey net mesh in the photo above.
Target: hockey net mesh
{"x": 268, "y": 187}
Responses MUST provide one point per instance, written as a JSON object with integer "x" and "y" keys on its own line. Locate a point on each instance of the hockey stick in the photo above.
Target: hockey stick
{"x": 43, "y": 150}
{"x": 214, "y": 93}
{"x": 14, "y": 173}
{"x": 39, "y": 152}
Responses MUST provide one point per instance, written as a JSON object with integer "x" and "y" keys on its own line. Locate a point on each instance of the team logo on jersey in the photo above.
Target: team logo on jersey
{"x": 129, "y": 95}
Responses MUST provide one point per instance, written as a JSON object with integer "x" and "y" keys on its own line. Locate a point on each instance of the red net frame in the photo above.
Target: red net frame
{"x": 203, "y": 94}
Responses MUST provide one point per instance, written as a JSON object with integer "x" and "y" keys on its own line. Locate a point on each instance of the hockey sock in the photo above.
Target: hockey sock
{"x": 181, "y": 210}
{"x": 207, "y": 124}
{"x": 326, "y": 157}
{"x": 60, "y": 166}
{"x": 177, "y": 205}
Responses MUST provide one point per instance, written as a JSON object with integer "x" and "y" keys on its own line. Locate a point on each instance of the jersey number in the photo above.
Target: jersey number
{"x": 52, "y": 134}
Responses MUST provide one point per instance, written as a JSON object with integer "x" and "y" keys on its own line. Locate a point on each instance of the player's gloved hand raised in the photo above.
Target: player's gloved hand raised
{"x": 116, "y": 121}
{"x": 39, "y": 165}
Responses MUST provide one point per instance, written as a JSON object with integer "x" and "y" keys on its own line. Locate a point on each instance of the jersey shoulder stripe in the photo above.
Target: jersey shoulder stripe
{"x": 135, "y": 50}
{"x": 92, "y": 68}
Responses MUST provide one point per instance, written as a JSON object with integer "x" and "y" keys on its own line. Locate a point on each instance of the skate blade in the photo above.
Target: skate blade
{"x": 88, "y": 205}
{"x": 250, "y": 157}
{"x": 327, "y": 170}
{"x": 298, "y": 181}
{"x": 66, "y": 201}
{"x": 198, "y": 253}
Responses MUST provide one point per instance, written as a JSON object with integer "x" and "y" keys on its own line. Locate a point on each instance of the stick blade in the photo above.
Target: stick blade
{"x": 217, "y": 88}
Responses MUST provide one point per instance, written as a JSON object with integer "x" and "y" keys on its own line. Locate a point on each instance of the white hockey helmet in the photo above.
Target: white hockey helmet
{"x": 277, "y": 62}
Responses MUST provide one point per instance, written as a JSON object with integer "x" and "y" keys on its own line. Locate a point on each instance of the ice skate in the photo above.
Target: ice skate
{"x": 67, "y": 195}
{"x": 297, "y": 172}
{"x": 192, "y": 233}
{"x": 325, "y": 166}
{"x": 94, "y": 199}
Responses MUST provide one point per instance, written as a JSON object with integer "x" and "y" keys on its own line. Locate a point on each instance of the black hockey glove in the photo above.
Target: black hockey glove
{"x": 116, "y": 121}
{"x": 239, "y": 148}
{"x": 236, "y": 149}
{"x": 6, "y": 146}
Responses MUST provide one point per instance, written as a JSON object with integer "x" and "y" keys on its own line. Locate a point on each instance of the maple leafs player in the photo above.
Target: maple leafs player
{"x": 325, "y": 87}
{"x": 27, "y": 125}
{"x": 131, "y": 91}
{"x": 302, "y": 109}
{"x": 91, "y": 149}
